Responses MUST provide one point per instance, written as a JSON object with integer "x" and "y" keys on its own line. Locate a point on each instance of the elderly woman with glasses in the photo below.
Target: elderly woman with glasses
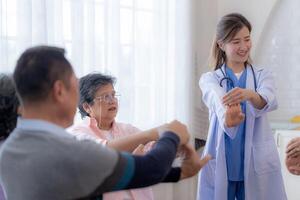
{"x": 98, "y": 107}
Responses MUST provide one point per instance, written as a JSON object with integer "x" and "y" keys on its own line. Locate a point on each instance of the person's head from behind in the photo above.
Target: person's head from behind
{"x": 232, "y": 42}
{"x": 98, "y": 98}
{"x": 47, "y": 85}
{"x": 9, "y": 105}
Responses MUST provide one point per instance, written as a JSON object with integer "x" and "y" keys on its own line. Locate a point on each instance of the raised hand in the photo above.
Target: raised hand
{"x": 192, "y": 163}
{"x": 234, "y": 115}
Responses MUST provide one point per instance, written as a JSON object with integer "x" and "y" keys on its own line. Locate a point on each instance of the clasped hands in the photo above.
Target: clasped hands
{"x": 191, "y": 163}
{"x": 233, "y": 114}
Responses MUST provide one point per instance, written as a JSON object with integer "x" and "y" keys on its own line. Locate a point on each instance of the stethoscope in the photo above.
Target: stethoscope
{"x": 226, "y": 78}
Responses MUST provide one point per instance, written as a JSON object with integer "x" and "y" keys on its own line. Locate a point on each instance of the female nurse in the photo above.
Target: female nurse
{"x": 245, "y": 162}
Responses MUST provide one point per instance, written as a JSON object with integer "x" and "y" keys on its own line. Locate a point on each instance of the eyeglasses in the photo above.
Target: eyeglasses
{"x": 108, "y": 98}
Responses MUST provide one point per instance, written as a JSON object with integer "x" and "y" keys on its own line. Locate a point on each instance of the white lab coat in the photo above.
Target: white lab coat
{"x": 262, "y": 174}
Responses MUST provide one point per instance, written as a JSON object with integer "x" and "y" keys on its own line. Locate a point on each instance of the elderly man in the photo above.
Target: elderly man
{"x": 40, "y": 160}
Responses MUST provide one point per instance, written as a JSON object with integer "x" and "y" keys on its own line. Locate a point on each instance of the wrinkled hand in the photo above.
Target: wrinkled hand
{"x": 236, "y": 96}
{"x": 234, "y": 115}
{"x": 192, "y": 163}
{"x": 143, "y": 149}
{"x": 139, "y": 150}
{"x": 293, "y": 148}
{"x": 179, "y": 129}
{"x": 149, "y": 146}
{"x": 293, "y": 164}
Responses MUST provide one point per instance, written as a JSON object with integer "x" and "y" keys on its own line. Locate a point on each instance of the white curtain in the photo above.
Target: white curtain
{"x": 145, "y": 44}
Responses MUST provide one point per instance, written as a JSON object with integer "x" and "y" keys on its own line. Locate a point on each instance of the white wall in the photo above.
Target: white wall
{"x": 278, "y": 49}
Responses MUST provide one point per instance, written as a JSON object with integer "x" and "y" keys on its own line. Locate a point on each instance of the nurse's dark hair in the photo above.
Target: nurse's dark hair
{"x": 88, "y": 86}
{"x": 9, "y": 104}
{"x": 227, "y": 28}
{"x": 38, "y": 68}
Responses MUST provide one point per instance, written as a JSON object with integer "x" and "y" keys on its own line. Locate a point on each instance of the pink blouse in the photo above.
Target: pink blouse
{"x": 88, "y": 130}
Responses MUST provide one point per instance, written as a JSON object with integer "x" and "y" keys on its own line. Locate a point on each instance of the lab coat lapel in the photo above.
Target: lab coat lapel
{"x": 220, "y": 76}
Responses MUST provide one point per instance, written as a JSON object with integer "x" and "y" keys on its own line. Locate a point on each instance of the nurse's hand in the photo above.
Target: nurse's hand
{"x": 236, "y": 96}
{"x": 192, "y": 163}
{"x": 234, "y": 115}
{"x": 293, "y": 148}
{"x": 293, "y": 165}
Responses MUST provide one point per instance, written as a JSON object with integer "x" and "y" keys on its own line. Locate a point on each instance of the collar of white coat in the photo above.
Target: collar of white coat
{"x": 219, "y": 74}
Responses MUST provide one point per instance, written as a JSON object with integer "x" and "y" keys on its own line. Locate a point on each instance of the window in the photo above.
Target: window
{"x": 133, "y": 40}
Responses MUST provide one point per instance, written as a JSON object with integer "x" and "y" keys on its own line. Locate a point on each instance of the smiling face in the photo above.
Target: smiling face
{"x": 105, "y": 104}
{"x": 237, "y": 50}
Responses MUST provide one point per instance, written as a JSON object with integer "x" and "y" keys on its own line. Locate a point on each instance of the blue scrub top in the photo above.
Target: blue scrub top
{"x": 235, "y": 148}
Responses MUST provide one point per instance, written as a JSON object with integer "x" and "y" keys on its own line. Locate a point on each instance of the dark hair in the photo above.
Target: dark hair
{"x": 9, "y": 104}
{"x": 88, "y": 86}
{"x": 227, "y": 28}
{"x": 37, "y": 70}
